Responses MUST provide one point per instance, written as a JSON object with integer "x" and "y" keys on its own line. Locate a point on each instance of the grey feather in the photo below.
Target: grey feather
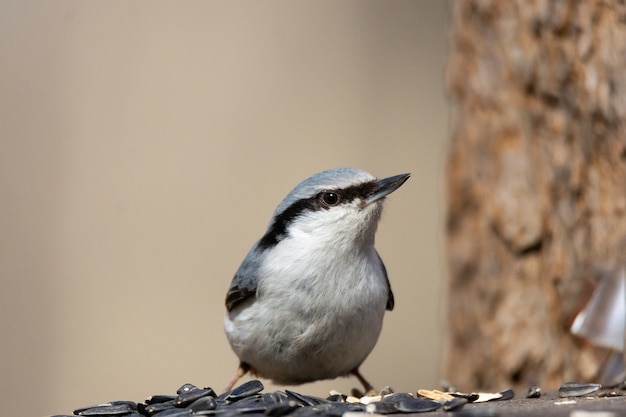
{"x": 390, "y": 300}
{"x": 246, "y": 280}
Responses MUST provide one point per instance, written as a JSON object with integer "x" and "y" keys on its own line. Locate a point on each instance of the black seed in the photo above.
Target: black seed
{"x": 336, "y": 398}
{"x": 245, "y": 390}
{"x": 115, "y": 408}
{"x": 141, "y": 408}
{"x": 306, "y": 400}
{"x": 186, "y": 388}
{"x": 471, "y": 397}
{"x": 507, "y": 394}
{"x": 186, "y": 398}
{"x": 254, "y": 401}
{"x": 203, "y": 403}
{"x": 576, "y": 389}
{"x": 417, "y": 405}
{"x": 381, "y": 407}
{"x": 154, "y": 399}
{"x": 275, "y": 398}
{"x": 230, "y": 411}
{"x": 175, "y": 412}
{"x": 454, "y": 404}
{"x": 281, "y": 409}
{"x": 397, "y": 397}
{"x": 307, "y": 412}
{"x": 533, "y": 392}
{"x": 338, "y": 409}
{"x": 159, "y": 407}
{"x": 215, "y": 412}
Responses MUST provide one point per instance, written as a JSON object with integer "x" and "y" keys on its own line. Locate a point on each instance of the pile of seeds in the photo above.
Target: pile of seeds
{"x": 248, "y": 399}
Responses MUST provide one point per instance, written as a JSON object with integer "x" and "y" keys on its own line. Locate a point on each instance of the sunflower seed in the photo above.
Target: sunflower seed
{"x": 381, "y": 407}
{"x": 245, "y": 390}
{"x": 397, "y": 397}
{"x": 275, "y": 398}
{"x": 186, "y": 398}
{"x": 417, "y": 405}
{"x": 471, "y": 397}
{"x": 507, "y": 394}
{"x": 254, "y": 401}
{"x": 175, "y": 412}
{"x": 483, "y": 397}
{"x": 186, "y": 388}
{"x": 113, "y": 408}
{"x": 533, "y": 392}
{"x": 159, "y": 407}
{"x": 576, "y": 389}
{"x": 306, "y": 400}
{"x": 154, "y": 399}
{"x": 454, "y": 404}
{"x": 336, "y": 398}
{"x": 203, "y": 403}
{"x": 338, "y": 409}
{"x": 282, "y": 409}
{"x": 370, "y": 399}
{"x": 435, "y": 395}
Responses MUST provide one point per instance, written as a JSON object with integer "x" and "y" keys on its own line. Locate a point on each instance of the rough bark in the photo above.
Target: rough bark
{"x": 536, "y": 184}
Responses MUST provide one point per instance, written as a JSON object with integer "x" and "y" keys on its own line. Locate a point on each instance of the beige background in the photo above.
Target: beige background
{"x": 143, "y": 148}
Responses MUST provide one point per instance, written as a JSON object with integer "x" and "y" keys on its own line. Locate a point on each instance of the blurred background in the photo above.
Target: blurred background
{"x": 143, "y": 149}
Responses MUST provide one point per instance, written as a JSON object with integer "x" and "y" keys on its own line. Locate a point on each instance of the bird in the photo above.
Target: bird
{"x": 308, "y": 300}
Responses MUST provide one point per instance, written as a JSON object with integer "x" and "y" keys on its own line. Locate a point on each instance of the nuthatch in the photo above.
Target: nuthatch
{"x": 308, "y": 301}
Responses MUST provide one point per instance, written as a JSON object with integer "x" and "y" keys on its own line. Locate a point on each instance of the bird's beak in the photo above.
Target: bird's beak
{"x": 386, "y": 186}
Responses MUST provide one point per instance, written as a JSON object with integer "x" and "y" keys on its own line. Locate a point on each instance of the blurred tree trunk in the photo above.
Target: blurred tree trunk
{"x": 536, "y": 184}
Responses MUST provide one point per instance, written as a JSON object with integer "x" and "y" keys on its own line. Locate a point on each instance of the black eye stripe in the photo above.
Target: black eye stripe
{"x": 278, "y": 228}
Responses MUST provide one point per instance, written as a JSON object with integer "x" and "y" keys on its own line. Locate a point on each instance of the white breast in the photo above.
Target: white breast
{"x": 314, "y": 318}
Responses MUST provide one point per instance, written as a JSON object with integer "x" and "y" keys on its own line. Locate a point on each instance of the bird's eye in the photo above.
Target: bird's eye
{"x": 330, "y": 199}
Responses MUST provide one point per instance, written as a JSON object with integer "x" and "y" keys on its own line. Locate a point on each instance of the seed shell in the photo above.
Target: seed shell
{"x": 186, "y": 388}
{"x": 159, "y": 407}
{"x": 281, "y": 409}
{"x": 381, "y": 407}
{"x": 533, "y": 392}
{"x": 175, "y": 412}
{"x": 154, "y": 399}
{"x": 507, "y": 394}
{"x": 577, "y": 389}
{"x": 109, "y": 409}
{"x": 471, "y": 397}
{"x": 306, "y": 400}
{"x": 454, "y": 404}
{"x": 417, "y": 405}
{"x": 203, "y": 403}
{"x": 245, "y": 390}
{"x": 188, "y": 397}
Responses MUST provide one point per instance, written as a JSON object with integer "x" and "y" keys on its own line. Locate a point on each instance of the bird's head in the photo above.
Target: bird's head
{"x": 338, "y": 205}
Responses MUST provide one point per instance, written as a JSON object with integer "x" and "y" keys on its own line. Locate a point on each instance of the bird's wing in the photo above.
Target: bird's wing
{"x": 390, "y": 300}
{"x": 245, "y": 282}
